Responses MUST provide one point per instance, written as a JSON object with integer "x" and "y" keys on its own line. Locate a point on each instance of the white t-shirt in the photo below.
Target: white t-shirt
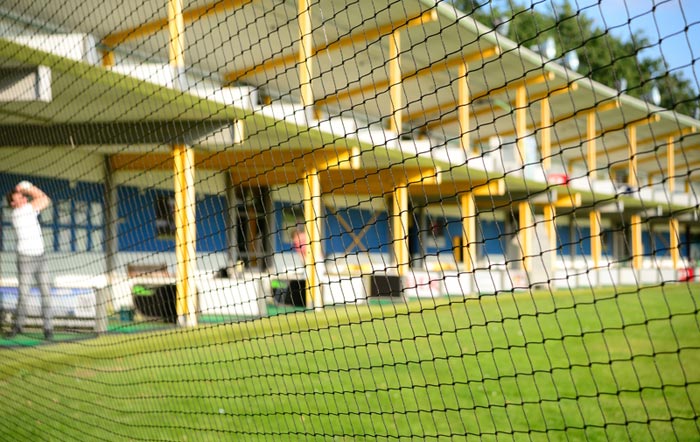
{"x": 30, "y": 241}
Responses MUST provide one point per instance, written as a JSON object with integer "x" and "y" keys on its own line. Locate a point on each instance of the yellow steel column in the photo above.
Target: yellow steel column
{"x": 395, "y": 85}
{"x": 521, "y": 120}
{"x": 632, "y": 138}
{"x": 546, "y": 134}
{"x": 313, "y": 259}
{"x": 594, "y": 215}
{"x": 592, "y": 153}
{"x": 185, "y": 234}
{"x": 671, "y": 165}
{"x": 637, "y": 246}
{"x": 525, "y": 233}
{"x": 468, "y": 231}
{"x": 525, "y": 220}
{"x": 463, "y": 109}
{"x": 596, "y": 244}
{"x": 550, "y": 214}
{"x": 183, "y": 159}
{"x": 400, "y": 228}
{"x": 672, "y": 223}
{"x": 673, "y": 231}
{"x": 305, "y": 54}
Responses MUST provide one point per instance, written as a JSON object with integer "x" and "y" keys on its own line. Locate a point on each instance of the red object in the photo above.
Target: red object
{"x": 557, "y": 178}
{"x": 686, "y": 275}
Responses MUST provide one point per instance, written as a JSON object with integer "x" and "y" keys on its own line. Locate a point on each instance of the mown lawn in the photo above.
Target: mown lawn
{"x": 567, "y": 365}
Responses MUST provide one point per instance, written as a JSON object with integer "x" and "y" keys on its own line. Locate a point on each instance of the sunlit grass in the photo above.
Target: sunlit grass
{"x": 600, "y": 364}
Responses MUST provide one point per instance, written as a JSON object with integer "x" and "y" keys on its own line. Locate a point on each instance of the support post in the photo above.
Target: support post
{"x": 232, "y": 218}
{"x": 400, "y": 228}
{"x": 305, "y": 56}
{"x": 185, "y": 235}
{"x": 596, "y": 243}
{"x": 463, "y": 109}
{"x": 637, "y": 246}
{"x": 525, "y": 234}
{"x": 468, "y": 231}
{"x": 521, "y": 120}
{"x": 674, "y": 232}
{"x": 183, "y": 159}
{"x": 592, "y": 154}
{"x": 671, "y": 166}
{"x": 546, "y": 134}
{"x": 104, "y": 295}
{"x": 550, "y": 214}
{"x": 313, "y": 257}
{"x": 395, "y": 85}
{"x": 632, "y": 138}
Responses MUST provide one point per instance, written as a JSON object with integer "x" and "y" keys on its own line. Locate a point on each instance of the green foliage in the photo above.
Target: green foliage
{"x": 603, "y": 57}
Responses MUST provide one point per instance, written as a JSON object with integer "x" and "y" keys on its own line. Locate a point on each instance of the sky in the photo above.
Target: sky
{"x": 672, "y": 27}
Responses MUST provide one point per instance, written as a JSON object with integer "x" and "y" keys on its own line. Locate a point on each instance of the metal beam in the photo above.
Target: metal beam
{"x": 395, "y": 84}
{"x": 514, "y": 85}
{"x": 360, "y": 38}
{"x": 108, "y": 133}
{"x": 161, "y": 24}
{"x": 313, "y": 258}
{"x": 305, "y": 66}
{"x": 430, "y": 70}
{"x": 637, "y": 245}
{"x": 468, "y": 209}
{"x": 400, "y": 228}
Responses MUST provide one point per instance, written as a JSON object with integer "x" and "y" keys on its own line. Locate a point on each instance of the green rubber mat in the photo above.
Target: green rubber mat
{"x": 36, "y": 337}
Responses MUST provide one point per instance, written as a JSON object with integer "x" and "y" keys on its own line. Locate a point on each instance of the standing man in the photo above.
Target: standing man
{"x": 27, "y": 201}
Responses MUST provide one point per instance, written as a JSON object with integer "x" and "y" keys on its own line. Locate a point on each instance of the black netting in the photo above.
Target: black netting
{"x": 349, "y": 220}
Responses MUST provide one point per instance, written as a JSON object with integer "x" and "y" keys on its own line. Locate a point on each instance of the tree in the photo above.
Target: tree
{"x": 603, "y": 57}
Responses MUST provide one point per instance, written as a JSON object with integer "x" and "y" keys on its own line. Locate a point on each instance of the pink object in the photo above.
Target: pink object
{"x": 686, "y": 274}
{"x": 557, "y": 178}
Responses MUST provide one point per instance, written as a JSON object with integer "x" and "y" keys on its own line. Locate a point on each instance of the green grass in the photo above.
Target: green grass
{"x": 570, "y": 365}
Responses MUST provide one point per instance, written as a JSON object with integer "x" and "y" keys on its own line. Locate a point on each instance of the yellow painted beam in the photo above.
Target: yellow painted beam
{"x": 526, "y": 227}
{"x": 361, "y": 38}
{"x": 671, "y": 165}
{"x": 313, "y": 258}
{"x": 108, "y": 58}
{"x": 596, "y": 243}
{"x": 610, "y": 151}
{"x": 674, "y": 234}
{"x": 637, "y": 246}
{"x": 468, "y": 209}
{"x": 155, "y": 26}
{"x": 185, "y": 235}
{"x": 185, "y": 202}
{"x": 452, "y": 105}
{"x": 550, "y": 215}
{"x": 305, "y": 65}
{"x": 395, "y": 84}
{"x": 400, "y": 228}
{"x": 546, "y": 134}
{"x": 570, "y": 200}
{"x": 421, "y": 176}
{"x": 490, "y": 188}
{"x": 632, "y": 156}
{"x": 613, "y": 149}
{"x": 521, "y": 108}
{"x": 487, "y": 109}
{"x": 591, "y": 150}
{"x": 463, "y": 108}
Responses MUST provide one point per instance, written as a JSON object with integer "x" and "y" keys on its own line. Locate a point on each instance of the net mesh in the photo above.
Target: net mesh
{"x": 349, "y": 220}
